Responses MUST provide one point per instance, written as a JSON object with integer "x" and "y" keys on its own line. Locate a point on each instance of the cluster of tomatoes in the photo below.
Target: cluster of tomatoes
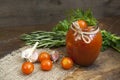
{"x": 46, "y": 63}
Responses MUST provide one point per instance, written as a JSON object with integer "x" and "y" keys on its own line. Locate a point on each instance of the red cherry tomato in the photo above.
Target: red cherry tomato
{"x": 43, "y": 56}
{"x": 67, "y": 63}
{"x": 46, "y": 65}
{"x": 82, "y": 24}
{"x": 27, "y": 67}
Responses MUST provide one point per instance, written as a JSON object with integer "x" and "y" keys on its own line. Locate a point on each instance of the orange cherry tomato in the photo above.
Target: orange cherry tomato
{"x": 67, "y": 63}
{"x": 46, "y": 65}
{"x": 43, "y": 56}
{"x": 27, "y": 67}
{"x": 82, "y": 24}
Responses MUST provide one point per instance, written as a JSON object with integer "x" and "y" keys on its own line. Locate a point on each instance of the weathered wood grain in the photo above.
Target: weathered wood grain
{"x": 106, "y": 67}
{"x": 34, "y": 12}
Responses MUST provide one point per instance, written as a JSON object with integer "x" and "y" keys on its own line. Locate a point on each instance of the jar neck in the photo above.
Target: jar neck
{"x": 80, "y": 34}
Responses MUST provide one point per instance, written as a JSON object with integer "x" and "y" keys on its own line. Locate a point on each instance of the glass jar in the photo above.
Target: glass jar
{"x": 83, "y": 45}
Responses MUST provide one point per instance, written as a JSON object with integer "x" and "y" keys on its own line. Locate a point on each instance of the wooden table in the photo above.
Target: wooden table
{"x": 9, "y": 41}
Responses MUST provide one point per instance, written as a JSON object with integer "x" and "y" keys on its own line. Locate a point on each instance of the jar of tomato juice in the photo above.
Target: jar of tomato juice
{"x": 83, "y": 44}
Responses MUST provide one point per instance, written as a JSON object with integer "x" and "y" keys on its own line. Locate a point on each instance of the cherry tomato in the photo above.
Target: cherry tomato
{"x": 46, "y": 65}
{"x": 43, "y": 56}
{"x": 67, "y": 63}
{"x": 27, "y": 67}
{"x": 82, "y": 24}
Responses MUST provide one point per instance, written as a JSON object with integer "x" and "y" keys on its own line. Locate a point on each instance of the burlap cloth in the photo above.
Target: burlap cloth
{"x": 10, "y": 69}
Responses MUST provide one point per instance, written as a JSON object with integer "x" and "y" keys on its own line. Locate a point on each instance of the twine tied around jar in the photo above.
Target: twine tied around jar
{"x": 82, "y": 34}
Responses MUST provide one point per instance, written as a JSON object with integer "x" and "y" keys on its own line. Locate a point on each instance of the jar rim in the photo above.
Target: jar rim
{"x": 93, "y": 28}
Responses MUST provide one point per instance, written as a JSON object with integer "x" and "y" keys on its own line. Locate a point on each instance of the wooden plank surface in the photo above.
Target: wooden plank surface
{"x": 106, "y": 67}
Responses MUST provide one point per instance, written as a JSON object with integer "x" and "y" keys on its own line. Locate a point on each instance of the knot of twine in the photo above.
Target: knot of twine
{"x": 81, "y": 34}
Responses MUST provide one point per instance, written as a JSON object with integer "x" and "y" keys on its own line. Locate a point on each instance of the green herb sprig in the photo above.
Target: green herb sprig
{"x": 80, "y": 14}
{"x": 62, "y": 26}
{"x": 45, "y": 39}
{"x": 110, "y": 40}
